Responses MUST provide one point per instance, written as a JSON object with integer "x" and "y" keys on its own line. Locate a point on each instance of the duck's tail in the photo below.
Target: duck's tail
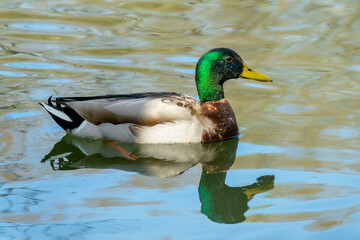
{"x": 63, "y": 115}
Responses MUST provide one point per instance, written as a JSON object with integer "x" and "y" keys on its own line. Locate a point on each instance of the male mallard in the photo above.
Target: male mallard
{"x": 160, "y": 117}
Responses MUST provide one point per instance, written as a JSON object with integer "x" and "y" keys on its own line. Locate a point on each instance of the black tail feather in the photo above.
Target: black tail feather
{"x": 49, "y": 101}
{"x": 76, "y": 119}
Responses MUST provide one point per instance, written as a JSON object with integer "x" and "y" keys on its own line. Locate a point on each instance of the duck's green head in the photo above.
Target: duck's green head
{"x": 217, "y": 66}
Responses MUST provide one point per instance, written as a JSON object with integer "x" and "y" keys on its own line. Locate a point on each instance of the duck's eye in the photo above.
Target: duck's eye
{"x": 229, "y": 59}
{"x": 249, "y": 69}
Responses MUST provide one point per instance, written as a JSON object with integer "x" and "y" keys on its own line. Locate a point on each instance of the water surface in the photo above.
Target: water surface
{"x": 293, "y": 174}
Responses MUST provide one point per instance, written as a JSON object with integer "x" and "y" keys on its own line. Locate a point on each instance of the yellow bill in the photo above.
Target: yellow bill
{"x": 251, "y": 74}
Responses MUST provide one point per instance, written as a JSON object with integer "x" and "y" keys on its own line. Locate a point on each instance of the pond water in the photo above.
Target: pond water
{"x": 292, "y": 174}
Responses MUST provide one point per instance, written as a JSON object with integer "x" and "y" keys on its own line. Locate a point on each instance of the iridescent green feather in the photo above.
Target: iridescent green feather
{"x": 207, "y": 82}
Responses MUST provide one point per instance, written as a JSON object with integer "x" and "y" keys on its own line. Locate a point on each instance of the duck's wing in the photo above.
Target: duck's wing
{"x": 146, "y": 109}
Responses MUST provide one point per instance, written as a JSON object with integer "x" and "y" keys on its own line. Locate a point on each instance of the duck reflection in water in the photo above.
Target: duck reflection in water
{"x": 224, "y": 204}
{"x": 219, "y": 202}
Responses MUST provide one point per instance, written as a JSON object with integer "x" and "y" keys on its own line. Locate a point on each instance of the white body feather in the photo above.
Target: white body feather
{"x": 181, "y": 131}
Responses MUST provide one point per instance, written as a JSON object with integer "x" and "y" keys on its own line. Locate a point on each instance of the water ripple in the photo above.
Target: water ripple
{"x": 303, "y": 128}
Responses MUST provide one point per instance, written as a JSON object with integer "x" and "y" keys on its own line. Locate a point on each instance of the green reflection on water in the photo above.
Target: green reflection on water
{"x": 224, "y": 204}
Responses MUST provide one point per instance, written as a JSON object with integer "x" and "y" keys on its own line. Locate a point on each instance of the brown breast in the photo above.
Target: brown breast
{"x": 223, "y": 118}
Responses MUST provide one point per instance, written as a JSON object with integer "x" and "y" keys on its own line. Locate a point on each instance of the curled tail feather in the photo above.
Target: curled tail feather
{"x": 63, "y": 115}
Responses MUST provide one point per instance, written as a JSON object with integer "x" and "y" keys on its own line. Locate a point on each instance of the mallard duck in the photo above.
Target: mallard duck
{"x": 160, "y": 117}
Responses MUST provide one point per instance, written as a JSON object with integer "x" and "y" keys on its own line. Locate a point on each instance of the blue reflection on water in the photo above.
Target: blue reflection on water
{"x": 251, "y": 148}
{"x": 35, "y": 65}
{"x": 40, "y": 26}
{"x": 257, "y": 85}
{"x": 13, "y": 74}
{"x": 16, "y": 115}
{"x": 183, "y": 59}
{"x": 343, "y": 132}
